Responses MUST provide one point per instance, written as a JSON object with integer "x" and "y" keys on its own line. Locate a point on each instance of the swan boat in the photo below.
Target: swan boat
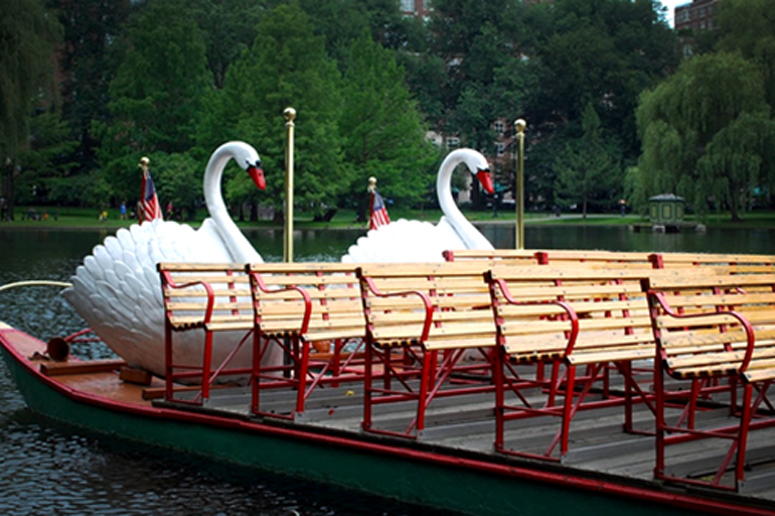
{"x": 449, "y": 471}
{"x": 117, "y": 289}
{"x": 417, "y": 241}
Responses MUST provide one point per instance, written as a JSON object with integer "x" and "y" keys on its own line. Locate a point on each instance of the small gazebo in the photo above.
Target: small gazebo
{"x": 666, "y": 209}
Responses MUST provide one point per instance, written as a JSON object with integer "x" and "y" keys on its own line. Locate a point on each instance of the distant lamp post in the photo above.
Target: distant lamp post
{"x": 519, "y": 191}
{"x": 290, "y": 115}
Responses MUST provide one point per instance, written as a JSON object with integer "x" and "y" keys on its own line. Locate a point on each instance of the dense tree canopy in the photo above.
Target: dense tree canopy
{"x": 156, "y": 95}
{"x": 173, "y": 79}
{"x": 27, "y": 35}
{"x": 747, "y": 26}
{"x": 707, "y": 134}
{"x": 286, "y": 66}
{"x": 382, "y": 132}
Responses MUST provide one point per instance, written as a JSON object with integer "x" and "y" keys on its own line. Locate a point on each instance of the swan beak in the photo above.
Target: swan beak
{"x": 484, "y": 177}
{"x": 257, "y": 174}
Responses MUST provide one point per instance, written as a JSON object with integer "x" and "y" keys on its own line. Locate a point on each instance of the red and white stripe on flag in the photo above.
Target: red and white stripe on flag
{"x": 379, "y": 215}
{"x": 151, "y": 209}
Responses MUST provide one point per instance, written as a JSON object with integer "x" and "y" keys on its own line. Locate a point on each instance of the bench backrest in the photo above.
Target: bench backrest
{"x": 546, "y": 313}
{"x": 317, "y": 301}
{"x": 439, "y": 305}
{"x": 738, "y": 263}
{"x": 199, "y": 294}
{"x": 555, "y": 258}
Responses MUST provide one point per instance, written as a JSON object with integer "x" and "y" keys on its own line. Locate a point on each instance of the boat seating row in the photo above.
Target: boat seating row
{"x": 422, "y": 332}
{"x": 737, "y": 263}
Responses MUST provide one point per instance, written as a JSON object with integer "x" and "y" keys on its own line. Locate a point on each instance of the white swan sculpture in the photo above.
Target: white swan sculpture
{"x": 416, "y": 241}
{"x": 117, "y": 290}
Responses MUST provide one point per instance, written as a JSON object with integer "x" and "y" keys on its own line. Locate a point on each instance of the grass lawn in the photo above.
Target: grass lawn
{"x": 89, "y": 218}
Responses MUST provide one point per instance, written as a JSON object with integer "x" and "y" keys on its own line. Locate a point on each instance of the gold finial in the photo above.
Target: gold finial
{"x": 520, "y": 125}
{"x": 144, "y": 162}
{"x": 372, "y": 183}
{"x": 289, "y": 114}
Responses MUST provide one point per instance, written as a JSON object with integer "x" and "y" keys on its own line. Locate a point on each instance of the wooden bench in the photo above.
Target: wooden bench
{"x": 299, "y": 307}
{"x": 569, "y": 318}
{"x": 200, "y": 301}
{"x": 737, "y": 263}
{"x": 719, "y": 328}
{"x": 433, "y": 316}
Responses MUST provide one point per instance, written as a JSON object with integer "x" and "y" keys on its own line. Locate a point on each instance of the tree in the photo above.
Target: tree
{"x": 156, "y": 96}
{"x": 588, "y": 169}
{"x": 707, "y": 134}
{"x": 27, "y": 35}
{"x": 606, "y": 52}
{"x": 229, "y": 27}
{"x": 382, "y": 132}
{"x": 286, "y": 66}
{"x": 46, "y": 163}
{"x": 747, "y": 26}
{"x": 87, "y": 62}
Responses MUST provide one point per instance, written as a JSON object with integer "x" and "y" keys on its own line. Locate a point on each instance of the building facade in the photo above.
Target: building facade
{"x": 697, "y": 15}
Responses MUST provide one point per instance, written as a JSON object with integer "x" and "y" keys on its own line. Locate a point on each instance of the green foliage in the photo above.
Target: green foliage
{"x": 27, "y": 35}
{"x": 157, "y": 92}
{"x": 178, "y": 179}
{"x": 46, "y": 164}
{"x": 606, "y": 52}
{"x": 228, "y": 27}
{"x": 185, "y": 76}
{"x": 88, "y": 58}
{"x": 482, "y": 46}
{"x": 384, "y": 136}
{"x": 707, "y": 133}
{"x": 286, "y": 66}
{"x": 747, "y": 26}
{"x": 588, "y": 169}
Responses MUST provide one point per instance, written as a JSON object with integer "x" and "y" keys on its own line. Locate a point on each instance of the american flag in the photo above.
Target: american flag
{"x": 151, "y": 209}
{"x": 379, "y": 215}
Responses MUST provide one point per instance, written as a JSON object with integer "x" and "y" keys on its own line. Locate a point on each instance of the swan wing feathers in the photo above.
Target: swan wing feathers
{"x": 117, "y": 290}
{"x": 215, "y": 248}
{"x": 404, "y": 241}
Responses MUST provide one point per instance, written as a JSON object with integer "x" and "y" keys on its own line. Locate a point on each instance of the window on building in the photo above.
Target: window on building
{"x": 453, "y": 142}
{"x": 407, "y": 6}
{"x": 500, "y": 148}
{"x": 499, "y": 126}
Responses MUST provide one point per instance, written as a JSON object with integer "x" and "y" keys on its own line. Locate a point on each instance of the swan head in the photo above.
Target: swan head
{"x": 249, "y": 160}
{"x": 477, "y": 164}
{"x": 257, "y": 175}
{"x": 252, "y": 165}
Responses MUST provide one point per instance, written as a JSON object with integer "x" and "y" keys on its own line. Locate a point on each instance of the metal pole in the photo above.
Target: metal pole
{"x": 289, "y": 114}
{"x": 519, "y": 196}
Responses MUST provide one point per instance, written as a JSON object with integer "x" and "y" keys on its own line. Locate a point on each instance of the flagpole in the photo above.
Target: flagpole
{"x": 144, "y": 162}
{"x": 371, "y": 188}
{"x": 289, "y": 114}
{"x": 519, "y": 194}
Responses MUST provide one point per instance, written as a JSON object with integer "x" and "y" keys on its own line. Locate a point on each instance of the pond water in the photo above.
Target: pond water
{"x": 48, "y": 468}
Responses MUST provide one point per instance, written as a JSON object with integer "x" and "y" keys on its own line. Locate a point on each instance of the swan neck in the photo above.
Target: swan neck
{"x": 471, "y": 236}
{"x": 444, "y": 188}
{"x": 240, "y": 248}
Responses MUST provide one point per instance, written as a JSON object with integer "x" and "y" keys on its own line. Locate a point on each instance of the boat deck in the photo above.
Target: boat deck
{"x": 465, "y": 426}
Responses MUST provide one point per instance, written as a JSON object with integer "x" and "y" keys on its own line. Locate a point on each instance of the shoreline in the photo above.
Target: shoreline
{"x": 611, "y": 220}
